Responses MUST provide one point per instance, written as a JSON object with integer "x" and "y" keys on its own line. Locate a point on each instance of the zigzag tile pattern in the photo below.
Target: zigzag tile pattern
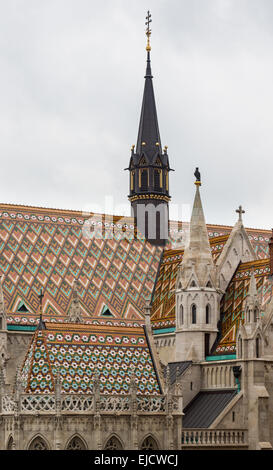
{"x": 43, "y": 248}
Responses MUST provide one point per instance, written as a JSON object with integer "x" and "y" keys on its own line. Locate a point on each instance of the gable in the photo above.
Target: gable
{"x": 232, "y": 303}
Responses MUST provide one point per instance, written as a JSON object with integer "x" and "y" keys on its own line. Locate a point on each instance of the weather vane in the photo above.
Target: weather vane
{"x": 148, "y": 30}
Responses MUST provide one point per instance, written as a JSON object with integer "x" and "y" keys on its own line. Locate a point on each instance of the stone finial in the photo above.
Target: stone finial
{"x": 74, "y": 312}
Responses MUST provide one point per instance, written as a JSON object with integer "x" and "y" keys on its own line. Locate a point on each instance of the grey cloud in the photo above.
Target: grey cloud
{"x": 71, "y": 86}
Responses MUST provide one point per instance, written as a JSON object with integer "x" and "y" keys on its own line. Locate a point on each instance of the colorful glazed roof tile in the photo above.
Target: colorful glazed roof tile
{"x": 232, "y": 305}
{"x": 49, "y": 248}
{"x": 163, "y": 309}
{"x": 76, "y": 351}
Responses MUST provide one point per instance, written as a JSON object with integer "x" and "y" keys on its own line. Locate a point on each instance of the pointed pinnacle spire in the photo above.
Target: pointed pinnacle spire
{"x": 198, "y": 252}
{"x": 252, "y": 291}
{"x": 148, "y": 140}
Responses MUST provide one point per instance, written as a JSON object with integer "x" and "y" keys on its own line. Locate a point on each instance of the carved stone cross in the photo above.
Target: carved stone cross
{"x": 240, "y": 211}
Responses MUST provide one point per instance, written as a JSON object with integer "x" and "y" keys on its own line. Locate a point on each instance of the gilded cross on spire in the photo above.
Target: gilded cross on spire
{"x": 148, "y": 30}
{"x": 240, "y": 211}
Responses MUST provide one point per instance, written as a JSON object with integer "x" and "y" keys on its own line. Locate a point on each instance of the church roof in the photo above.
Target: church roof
{"x": 205, "y": 407}
{"x": 76, "y": 352}
{"x": 47, "y": 248}
{"x": 232, "y": 304}
{"x": 163, "y": 308}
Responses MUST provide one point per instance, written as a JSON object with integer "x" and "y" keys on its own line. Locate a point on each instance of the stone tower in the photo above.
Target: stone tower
{"x": 149, "y": 168}
{"x": 197, "y": 296}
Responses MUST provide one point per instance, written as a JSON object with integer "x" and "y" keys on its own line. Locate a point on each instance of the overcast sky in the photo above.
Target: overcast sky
{"x": 71, "y": 84}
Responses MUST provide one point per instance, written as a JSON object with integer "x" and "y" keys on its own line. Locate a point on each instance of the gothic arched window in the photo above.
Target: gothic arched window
{"x": 193, "y": 313}
{"x": 240, "y": 347}
{"x": 76, "y": 443}
{"x": 207, "y": 314}
{"x": 157, "y": 180}
{"x": 181, "y": 319}
{"x": 113, "y": 443}
{"x": 149, "y": 444}
{"x": 38, "y": 444}
{"x": 255, "y": 315}
{"x": 10, "y": 443}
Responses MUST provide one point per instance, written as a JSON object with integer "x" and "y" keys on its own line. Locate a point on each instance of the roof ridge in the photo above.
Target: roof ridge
{"x": 86, "y": 213}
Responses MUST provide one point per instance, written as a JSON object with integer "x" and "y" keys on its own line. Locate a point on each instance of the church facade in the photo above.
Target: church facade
{"x": 115, "y": 336}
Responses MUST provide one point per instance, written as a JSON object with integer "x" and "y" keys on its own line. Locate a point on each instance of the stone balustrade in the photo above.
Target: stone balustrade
{"x": 79, "y": 403}
{"x": 214, "y": 438}
{"x": 218, "y": 375}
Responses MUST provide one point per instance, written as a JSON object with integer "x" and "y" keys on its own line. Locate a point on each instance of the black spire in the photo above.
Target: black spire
{"x": 149, "y": 167}
{"x": 148, "y": 140}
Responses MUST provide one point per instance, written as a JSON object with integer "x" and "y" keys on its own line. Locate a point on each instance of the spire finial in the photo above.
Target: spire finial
{"x": 148, "y": 30}
{"x": 197, "y": 176}
{"x": 240, "y": 211}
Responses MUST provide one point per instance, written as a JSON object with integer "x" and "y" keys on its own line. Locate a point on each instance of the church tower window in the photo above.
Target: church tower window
{"x": 193, "y": 314}
{"x": 181, "y": 315}
{"x": 258, "y": 346}
{"x": 144, "y": 180}
{"x": 207, "y": 314}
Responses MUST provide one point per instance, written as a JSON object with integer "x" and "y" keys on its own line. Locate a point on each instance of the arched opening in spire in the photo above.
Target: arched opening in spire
{"x": 144, "y": 180}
